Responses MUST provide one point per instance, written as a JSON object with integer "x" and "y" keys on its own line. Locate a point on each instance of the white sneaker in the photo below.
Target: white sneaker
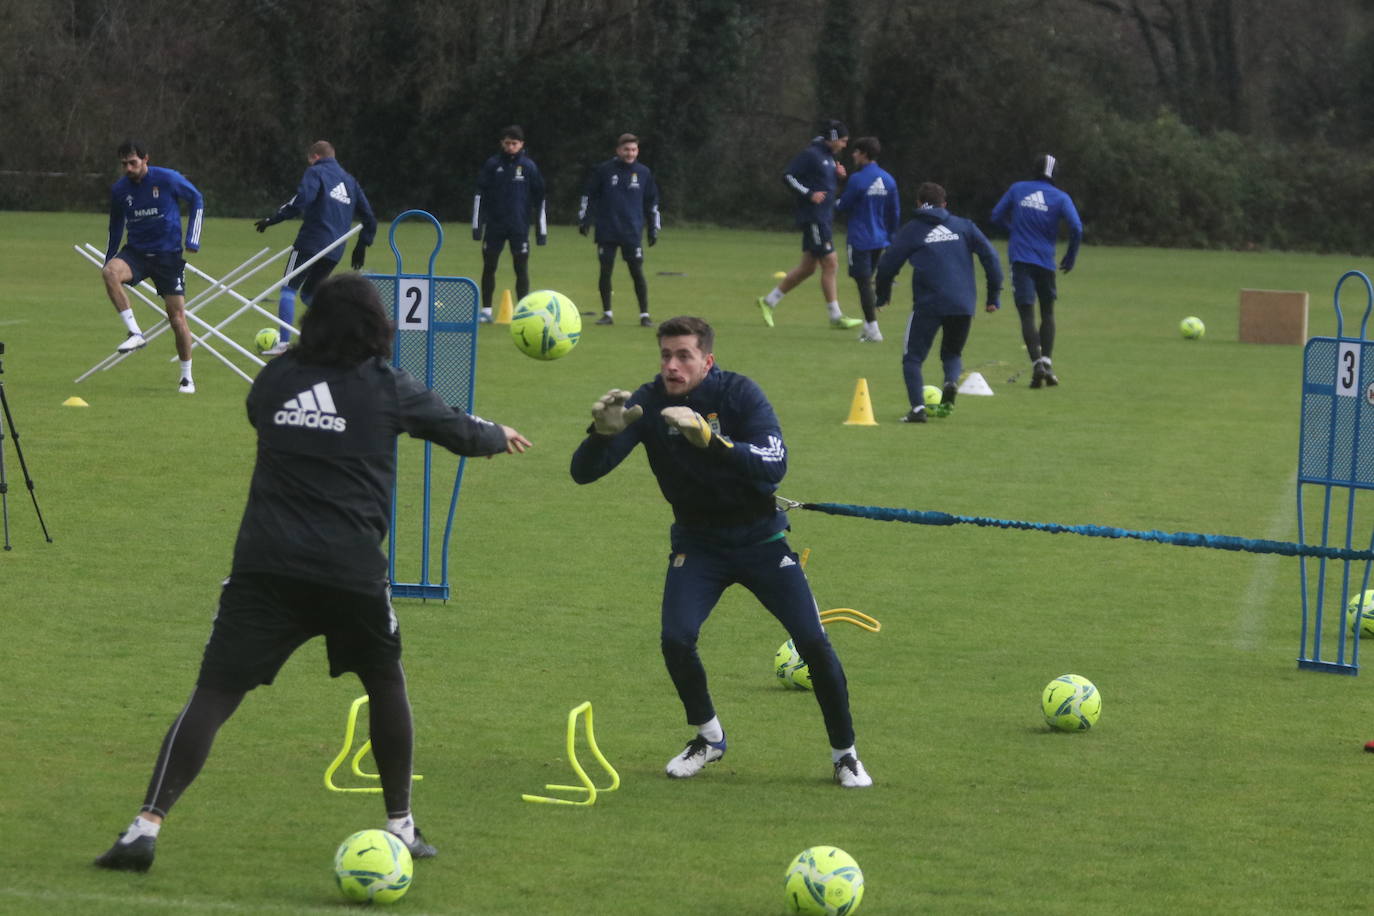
{"x": 187, "y": 386}
{"x": 871, "y": 336}
{"x": 131, "y": 343}
{"x": 694, "y": 757}
{"x": 276, "y": 349}
{"x": 850, "y": 773}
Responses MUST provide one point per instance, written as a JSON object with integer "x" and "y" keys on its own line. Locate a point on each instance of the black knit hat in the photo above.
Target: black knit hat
{"x": 833, "y": 130}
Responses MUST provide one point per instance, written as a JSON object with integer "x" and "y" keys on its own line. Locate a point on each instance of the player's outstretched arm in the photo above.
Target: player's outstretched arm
{"x": 515, "y": 443}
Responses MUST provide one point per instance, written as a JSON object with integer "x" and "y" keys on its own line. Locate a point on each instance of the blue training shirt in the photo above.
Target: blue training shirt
{"x": 811, "y": 170}
{"x": 327, "y": 200}
{"x": 940, "y": 248}
{"x": 150, "y": 210}
{"x": 870, "y": 198}
{"x": 509, "y": 190}
{"x": 722, "y": 493}
{"x": 1032, "y": 211}
{"x": 622, "y": 200}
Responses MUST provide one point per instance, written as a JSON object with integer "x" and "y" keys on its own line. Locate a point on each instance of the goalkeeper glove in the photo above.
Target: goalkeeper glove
{"x": 263, "y": 223}
{"x": 610, "y": 415}
{"x": 690, "y": 423}
{"x": 359, "y": 256}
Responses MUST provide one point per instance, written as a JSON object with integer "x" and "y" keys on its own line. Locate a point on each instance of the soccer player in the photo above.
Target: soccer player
{"x": 306, "y": 562}
{"x": 147, "y": 201}
{"x": 1032, "y": 210}
{"x": 714, "y": 444}
{"x": 870, "y": 198}
{"x": 621, "y": 198}
{"x": 812, "y": 176}
{"x": 327, "y": 200}
{"x": 940, "y": 247}
{"x": 510, "y": 190}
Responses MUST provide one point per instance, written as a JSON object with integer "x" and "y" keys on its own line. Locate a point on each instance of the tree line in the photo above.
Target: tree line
{"x": 1215, "y": 123}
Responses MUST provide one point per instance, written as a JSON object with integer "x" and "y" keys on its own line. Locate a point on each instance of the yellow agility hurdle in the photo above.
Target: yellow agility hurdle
{"x": 587, "y": 786}
{"x": 333, "y": 767}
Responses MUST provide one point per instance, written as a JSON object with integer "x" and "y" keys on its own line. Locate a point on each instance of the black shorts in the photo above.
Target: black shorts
{"x": 1031, "y": 280}
{"x": 263, "y": 618}
{"x": 167, "y": 269}
{"x": 307, "y": 280}
{"x": 863, "y": 264}
{"x": 816, "y": 239}
{"x": 630, "y": 252}
{"x": 496, "y": 240}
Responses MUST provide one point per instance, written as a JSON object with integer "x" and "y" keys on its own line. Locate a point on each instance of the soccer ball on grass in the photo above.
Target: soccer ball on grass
{"x": 823, "y": 881}
{"x": 1360, "y": 613}
{"x": 373, "y": 866}
{"x": 545, "y": 325}
{"x": 932, "y": 395}
{"x": 1071, "y": 703}
{"x": 266, "y": 339}
{"x": 1192, "y": 328}
{"x": 789, "y": 667}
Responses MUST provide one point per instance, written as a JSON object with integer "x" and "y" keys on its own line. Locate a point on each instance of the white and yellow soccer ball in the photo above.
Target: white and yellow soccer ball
{"x": 545, "y": 325}
{"x": 1071, "y": 703}
{"x": 1192, "y": 328}
{"x": 373, "y": 866}
{"x": 823, "y": 881}
{"x": 931, "y": 395}
{"x": 790, "y": 669}
{"x": 1360, "y": 613}
{"x": 266, "y": 339}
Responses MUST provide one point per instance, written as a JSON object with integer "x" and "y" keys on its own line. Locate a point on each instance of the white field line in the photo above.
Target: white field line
{"x": 58, "y": 901}
{"x": 1283, "y": 524}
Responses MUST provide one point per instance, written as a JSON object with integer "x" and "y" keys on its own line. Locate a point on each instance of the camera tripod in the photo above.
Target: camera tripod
{"x": 8, "y": 418}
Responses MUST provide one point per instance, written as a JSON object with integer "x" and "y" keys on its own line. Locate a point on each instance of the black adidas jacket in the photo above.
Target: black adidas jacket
{"x": 320, "y": 498}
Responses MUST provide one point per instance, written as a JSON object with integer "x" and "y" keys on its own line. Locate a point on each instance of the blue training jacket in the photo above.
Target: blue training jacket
{"x": 1032, "y": 211}
{"x": 151, "y": 211}
{"x": 327, "y": 200}
{"x": 509, "y": 189}
{"x": 811, "y": 170}
{"x": 722, "y": 493}
{"x": 875, "y": 211}
{"x": 622, "y": 200}
{"x": 940, "y": 248}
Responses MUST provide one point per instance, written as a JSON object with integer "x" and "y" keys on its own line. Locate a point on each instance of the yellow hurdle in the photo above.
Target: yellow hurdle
{"x": 349, "y": 729}
{"x": 587, "y": 787}
{"x": 843, "y": 614}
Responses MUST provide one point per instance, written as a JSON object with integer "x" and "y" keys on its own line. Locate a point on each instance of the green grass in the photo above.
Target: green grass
{"x": 1220, "y": 779}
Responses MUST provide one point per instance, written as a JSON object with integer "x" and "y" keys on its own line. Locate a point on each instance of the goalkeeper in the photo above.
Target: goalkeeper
{"x": 714, "y": 444}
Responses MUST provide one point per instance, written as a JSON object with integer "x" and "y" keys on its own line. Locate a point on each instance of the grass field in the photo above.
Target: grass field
{"x": 1220, "y": 778}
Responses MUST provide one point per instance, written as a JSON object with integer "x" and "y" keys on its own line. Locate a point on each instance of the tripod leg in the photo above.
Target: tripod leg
{"x": 23, "y": 467}
{"x": 4, "y": 486}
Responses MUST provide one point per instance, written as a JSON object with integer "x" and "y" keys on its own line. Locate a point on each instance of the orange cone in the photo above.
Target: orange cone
{"x": 503, "y": 314}
{"x": 861, "y": 410}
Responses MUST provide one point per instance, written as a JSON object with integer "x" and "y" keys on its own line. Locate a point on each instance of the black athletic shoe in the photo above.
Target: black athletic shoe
{"x": 135, "y": 856}
{"x": 949, "y": 393}
{"x": 419, "y": 849}
{"x": 1050, "y": 378}
{"x": 1038, "y": 374}
{"x": 605, "y": 319}
{"x": 917, "y": 415}
{"x": 645, "y": 321}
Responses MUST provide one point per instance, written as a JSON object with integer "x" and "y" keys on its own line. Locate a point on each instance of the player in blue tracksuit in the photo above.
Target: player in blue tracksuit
{"x": 147, "y": 203}
{"x": 510, "y": 190}
{"x": 812, "y": 176}
{"x": 621, "y": 198}
{"x": 327, "y": 200}
{"x": 870, "y": 198}
{"x": 714, "y": 444}
{"x": 1032, "y": 210}
{"x": 940, "y": 248}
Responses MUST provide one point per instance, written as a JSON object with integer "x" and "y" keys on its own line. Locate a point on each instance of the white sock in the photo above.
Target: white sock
{"x": 486, "y": 312}
{"x": 643, "y": 314}
{"x": 834, "y": 308}
{"x": 185, "y": 368}
{"x": 871, "y": 327}
{"x": 140, "y": 828}
{"x": 773, "y": 298}
{"x": 837, "y": 753}
{"x": 607, "y": 313}
{"x": 130, "y": 321}
{"x": 403, "y": 827}
{"x": 712, "y": 731}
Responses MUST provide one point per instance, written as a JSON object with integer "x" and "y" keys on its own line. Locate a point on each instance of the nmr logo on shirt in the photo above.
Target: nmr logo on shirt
{"x": 313, "y": 408}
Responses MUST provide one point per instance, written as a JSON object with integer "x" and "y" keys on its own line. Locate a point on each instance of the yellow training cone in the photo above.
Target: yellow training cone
{"x": 861, "y": 410}
{"x": 503, "y": 314}
{"x": 74, "y": 401}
